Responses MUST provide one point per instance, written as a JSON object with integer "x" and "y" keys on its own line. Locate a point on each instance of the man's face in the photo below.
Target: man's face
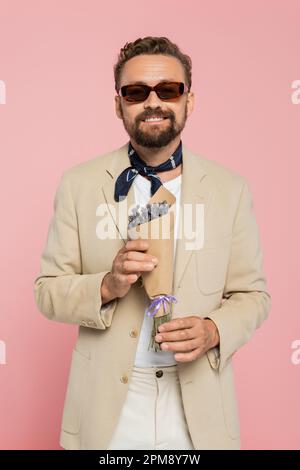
{"x": 152, "y": 69}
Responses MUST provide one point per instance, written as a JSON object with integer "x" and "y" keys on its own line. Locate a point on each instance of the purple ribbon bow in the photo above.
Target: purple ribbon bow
{"x": 157, "y": 302}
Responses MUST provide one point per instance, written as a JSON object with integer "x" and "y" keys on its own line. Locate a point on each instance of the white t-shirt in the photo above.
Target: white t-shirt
{"x": 145, "y": 357}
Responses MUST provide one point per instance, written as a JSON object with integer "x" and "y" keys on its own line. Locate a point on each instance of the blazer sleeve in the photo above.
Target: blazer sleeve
{"x": 62, "y": 292}
{"x": 246, "y": 301}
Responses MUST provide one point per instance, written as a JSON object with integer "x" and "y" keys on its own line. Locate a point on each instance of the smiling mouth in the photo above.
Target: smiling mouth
{"x": 154, "y": 120}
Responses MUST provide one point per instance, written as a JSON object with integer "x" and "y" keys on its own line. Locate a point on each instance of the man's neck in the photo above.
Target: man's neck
{"x": 154, "y": 157}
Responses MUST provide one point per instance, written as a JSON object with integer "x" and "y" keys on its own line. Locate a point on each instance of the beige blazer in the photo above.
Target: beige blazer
{"x": 222, "y": 280}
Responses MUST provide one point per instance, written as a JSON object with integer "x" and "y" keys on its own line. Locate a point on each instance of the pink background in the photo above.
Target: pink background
{"x": 56, "y": 59}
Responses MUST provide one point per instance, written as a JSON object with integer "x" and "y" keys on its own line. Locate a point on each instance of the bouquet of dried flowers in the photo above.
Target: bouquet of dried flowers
{"x": 155, "y": 223}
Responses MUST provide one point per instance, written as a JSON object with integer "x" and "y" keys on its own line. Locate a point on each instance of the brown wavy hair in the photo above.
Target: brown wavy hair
{"x": 152, "y": 45}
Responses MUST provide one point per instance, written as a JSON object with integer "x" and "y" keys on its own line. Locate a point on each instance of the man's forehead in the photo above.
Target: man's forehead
{"x": 152, "y": 69}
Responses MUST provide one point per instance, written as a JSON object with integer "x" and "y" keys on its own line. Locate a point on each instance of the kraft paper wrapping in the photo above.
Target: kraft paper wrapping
{"x": 159, "y": 233}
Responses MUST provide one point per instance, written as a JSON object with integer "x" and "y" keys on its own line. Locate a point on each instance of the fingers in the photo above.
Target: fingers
{"x": 123, "y": 281}
{"x": 179, "y": 340}
{"x": 189, "y": 356}
{"x": 128, "y": 267}
{"x": 132, "y": 261}
{"x": 184, "y": 336}
{"x": 139, "y": 256}
{"x": 135, "y": 245}
{"x": 179, "y": 323}
{"x": 178, "y": 335}
{"x": 181, "y": 346}
{"x": 131, "y": 278}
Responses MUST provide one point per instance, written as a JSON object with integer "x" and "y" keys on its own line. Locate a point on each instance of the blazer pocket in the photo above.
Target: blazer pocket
{"x": 211, "y": 266}
{"x": 76, "y": 392}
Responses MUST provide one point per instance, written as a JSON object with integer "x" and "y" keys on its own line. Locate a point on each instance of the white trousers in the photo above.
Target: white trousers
{"x": 152, "y": 416}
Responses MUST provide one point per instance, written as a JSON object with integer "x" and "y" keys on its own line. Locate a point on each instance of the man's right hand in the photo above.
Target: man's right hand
{"x": 128, "y": 265}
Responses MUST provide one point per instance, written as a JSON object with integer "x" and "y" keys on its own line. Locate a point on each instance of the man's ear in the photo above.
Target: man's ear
{"x": 190, "y": 102}
{"x": 118, "y": 106}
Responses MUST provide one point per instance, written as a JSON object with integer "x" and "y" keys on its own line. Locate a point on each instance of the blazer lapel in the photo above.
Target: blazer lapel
{"x": 118, "y": 210}
{"x": 194, "y": 190}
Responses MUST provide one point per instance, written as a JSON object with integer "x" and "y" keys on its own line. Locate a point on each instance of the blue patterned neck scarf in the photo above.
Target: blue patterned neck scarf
{"x": 138, "y": 166}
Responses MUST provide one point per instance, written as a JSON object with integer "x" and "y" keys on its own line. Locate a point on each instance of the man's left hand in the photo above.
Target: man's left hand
{"x": 188, "y": 337}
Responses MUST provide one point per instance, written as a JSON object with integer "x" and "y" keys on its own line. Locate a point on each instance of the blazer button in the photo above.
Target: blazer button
{"x": 133, "y": 333}
{"x": 124, "y": 379}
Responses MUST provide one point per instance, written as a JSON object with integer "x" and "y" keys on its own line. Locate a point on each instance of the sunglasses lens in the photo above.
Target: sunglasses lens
{"x": 169, "y": 91}
{"x": 135, "y": 93}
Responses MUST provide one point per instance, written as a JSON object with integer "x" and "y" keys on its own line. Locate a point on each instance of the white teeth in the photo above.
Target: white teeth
{"x": 154, "y": 119}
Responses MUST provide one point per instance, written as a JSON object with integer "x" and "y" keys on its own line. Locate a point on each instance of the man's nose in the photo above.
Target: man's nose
{"x": 152, "y": 101}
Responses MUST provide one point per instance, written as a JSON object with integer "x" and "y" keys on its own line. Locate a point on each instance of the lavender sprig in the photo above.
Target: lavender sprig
{"x": 140, "y": 215}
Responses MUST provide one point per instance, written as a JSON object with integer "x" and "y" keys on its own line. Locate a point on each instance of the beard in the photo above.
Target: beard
{"x": 152, "y": 135}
